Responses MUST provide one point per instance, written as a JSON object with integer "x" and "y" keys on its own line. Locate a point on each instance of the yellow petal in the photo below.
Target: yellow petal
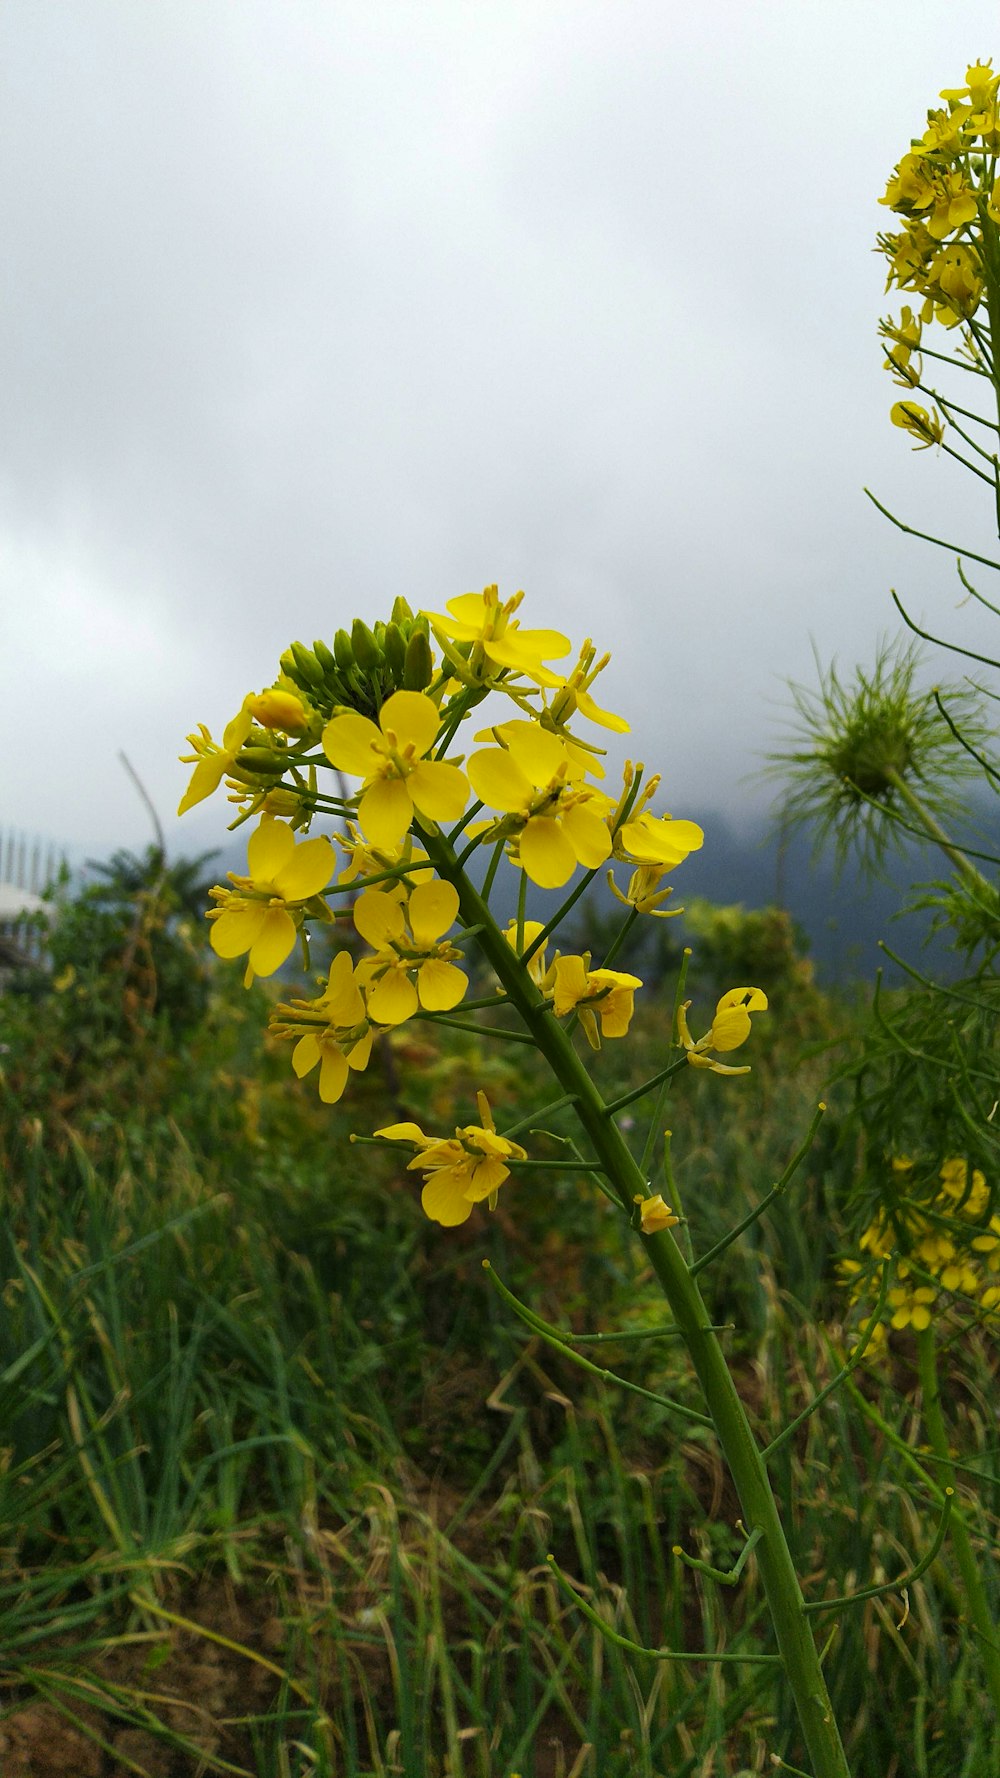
{"x": 305, "y": 1055}
{"x": 332, "y": 1074}
{"x": 236, "y": 930}
{"x": 487, "y": 1176}
{"x": 403, "y": 1133}
{"x": 269, "y": 849}
{"x": 439, "y": 790}
{"x": 359, "y": 1054}
{"x": 274, "y": 942}
{"x": 378, "y": 918}
{"x": 498, "y": 781}
{"x": 385, "y": 812}
{"x": 307, "y": 871}
{"x": 433, "y": 908}
{"x": 587, "y": 834}
{"x": 393, "y": 999}
{"x": 353, "y": 744}
{"x": 593, "y": 712}
{"x": 440, "y": 985}
{"x": 546, "y": 853}
{"x": 537, "y": 751}
{"x": 412, "y": 717}
{"x": 443, "y": 1198}
{"x": 206, "y": 778}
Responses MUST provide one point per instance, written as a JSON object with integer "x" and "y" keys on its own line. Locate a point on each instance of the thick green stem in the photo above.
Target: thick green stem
{"x": 976, "y": 1600}
{"x": 784, "y": 1595}
{"x": 936, "y": 832}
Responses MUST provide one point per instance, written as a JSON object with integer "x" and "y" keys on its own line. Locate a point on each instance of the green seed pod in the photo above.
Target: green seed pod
{"x": 307, "y": 664}
{"x": 343, "y": 652}
{"x": 418, "y": 670}
{"x": 325, "y": 658}
{"x": 401, "y": 614}
{"x": 395, "y": 651}
{"x": 262, "y": 761}
{"x": 366, "y": 650}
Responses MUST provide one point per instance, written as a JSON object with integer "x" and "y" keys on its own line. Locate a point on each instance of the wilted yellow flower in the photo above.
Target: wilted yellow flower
{"x": 605, "y": 994}
{"x": 410, "y": 968}
{"x": 391, "y": 758}
{"x": 263, "y": 912}
{"x": 654, "y": 1214}
{"x": 927, "y": 430}
{"x": 462, "y": 1169}
{"x": 730, "y": 1028}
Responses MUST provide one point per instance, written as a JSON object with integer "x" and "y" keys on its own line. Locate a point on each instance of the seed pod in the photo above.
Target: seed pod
{"x": 343, "y": 652}
{"x": 395, "y": 650}
{"x": 262, "y": 761}
{"x": 366, "y": 650}
{"x": 418, "y": 669}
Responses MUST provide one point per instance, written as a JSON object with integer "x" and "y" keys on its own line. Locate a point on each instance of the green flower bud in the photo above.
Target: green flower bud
{"x": 343, "y": 652}
{"x": 395, "y": 650}
{"x": 401, "y": 614}
{"x": 325, "y": 658}
{"x": 307, "y": 664}
{"x": 367, "y": 653}
{"x": 418, "y": 669}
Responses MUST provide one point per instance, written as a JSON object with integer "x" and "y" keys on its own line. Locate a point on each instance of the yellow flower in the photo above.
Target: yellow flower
{"x": 497, "y": 639}
{"x": 606, "y": 994}
{"x": 213, "y": 762}
{"x": 910, "y": 189}
{"x": 954, "y": 205}
{"x": 971, "y": 1199}
{"x": 392, "y": 761}
{"x": 557, "y": 820}
{"x": 264, "y": 912}
{"x": 362, "y": 860}
{"x": 400, "y": 955}
{"x": 959, "y": 278}
{"x": 279, "y": 709}
{"x": 461, "y": 1170}
{"x": 644, "y": 892}
{"x": 659, "y": 840}
{"x": 912, "y": 1306}
{"x": 730, "y": 1028}
{"x": 536, "y": 962}
{"x": 654, "y": 1215}
{"x": 918, "y": 423}
{"x": 332, "y": 1029}
{"x": 574, "y": 694}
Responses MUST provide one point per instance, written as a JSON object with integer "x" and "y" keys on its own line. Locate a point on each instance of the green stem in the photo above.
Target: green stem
{"x": 972, "y": 1580}
{"x": 935, "y": 831}
{"x": 781, "y": 1585}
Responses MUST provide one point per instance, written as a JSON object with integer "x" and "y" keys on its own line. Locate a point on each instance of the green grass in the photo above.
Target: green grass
{"x": 280, "y": 1474}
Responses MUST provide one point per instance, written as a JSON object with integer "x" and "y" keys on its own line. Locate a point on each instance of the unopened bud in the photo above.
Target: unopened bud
{"x": 366, "y": 649}
{"x": 395, "y": 649}
{"x": 325, "y": 657}
{"x": 307, "y": 664}
{"x": 418, "y": 668}
{"x": 342, "y": 651}
{"x": 280, "y": 710}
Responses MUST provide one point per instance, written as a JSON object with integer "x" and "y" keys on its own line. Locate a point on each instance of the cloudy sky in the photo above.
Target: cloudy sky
{"x": 309, "y": 304}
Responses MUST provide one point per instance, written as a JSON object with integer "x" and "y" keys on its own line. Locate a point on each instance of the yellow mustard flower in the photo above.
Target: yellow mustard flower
{"x": 971, "y": 1199}
{"x": 536, "y": 962}
{"x": 654, "y": 1214}
{"x": 730, "y": 1028}
{"x": 363, "y": 860}
{"x": 911, "y": 1306}
{"x": 954, "y": 205}
{"x": 462, "y": 1169}
{"x": 911, "y": 187}
{"x": 918, "y": 423}
{"x": 212, "y": 762}
{"x": 263, "y": 912}
{"x": 497, "y": 639}
{"x": 644, "y": 892}
{"x": 279, "y": 709}
{"x": 605, "y": 994}
{"x": 980, "y": 83}
{"x": 333, "y": 1030}
{"x": 574, "y": 694}
{"x": 658, "y": 840}
{"x": 392, "y": 760}
{"x": 411, "y": 967}
{"x": 556, "y": 819}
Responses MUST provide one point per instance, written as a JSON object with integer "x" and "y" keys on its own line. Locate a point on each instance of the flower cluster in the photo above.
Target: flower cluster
{"x": 945, "y": 1249}
{"x": 365, "y": 819}
{"x": 946, "y": 192}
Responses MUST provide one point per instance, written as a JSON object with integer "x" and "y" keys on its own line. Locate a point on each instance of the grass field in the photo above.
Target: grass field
{"x": 280, "y": 1471}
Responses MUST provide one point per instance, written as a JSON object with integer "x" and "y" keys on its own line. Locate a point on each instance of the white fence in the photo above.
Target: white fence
{"x": 28, "y": 866}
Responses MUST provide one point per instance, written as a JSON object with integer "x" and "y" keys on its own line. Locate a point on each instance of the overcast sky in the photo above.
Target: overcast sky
{"x": 306, "y": 305}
